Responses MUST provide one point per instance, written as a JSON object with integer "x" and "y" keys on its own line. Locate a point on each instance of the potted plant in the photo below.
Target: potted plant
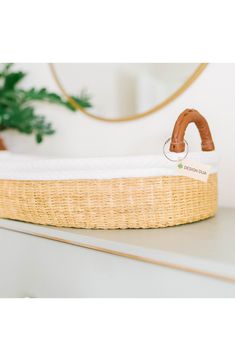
{"x": 16, "y": 108}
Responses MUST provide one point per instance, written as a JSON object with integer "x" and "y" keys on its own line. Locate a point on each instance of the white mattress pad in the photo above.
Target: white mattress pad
{"x": 25, "y": 167}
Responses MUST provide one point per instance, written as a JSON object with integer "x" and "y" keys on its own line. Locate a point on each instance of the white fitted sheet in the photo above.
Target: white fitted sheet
{"x": 25, "y": 167}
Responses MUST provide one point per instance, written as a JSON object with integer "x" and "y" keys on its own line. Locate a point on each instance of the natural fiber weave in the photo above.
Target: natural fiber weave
{"x": 149, "y": 202}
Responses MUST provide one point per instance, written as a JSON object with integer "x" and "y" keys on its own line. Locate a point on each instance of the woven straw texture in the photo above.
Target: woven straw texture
{"x": 149, "y": 202}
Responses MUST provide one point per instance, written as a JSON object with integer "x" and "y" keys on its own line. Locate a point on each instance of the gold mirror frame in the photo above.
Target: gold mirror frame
{"x": 159, "y": 106}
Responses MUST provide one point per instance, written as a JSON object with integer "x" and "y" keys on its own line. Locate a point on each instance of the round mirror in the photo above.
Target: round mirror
{"x": 124, "y": 91}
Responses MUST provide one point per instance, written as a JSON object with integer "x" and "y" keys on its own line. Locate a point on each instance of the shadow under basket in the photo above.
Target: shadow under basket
{"x": 107, "y": 193}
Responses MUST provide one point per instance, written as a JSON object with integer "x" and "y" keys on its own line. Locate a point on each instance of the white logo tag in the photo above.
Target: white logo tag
{"x": 194, "y": 170}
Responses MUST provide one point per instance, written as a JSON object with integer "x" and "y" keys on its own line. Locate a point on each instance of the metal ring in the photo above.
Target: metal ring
{"x": 185, "y": 153}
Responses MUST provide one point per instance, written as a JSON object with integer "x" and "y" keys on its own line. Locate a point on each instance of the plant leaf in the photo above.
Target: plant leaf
{"x": 12, "y": 79}
{"x": 16, "y": 110}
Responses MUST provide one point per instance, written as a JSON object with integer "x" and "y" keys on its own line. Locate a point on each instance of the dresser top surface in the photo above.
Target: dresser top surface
{"x": 207, "y": 245}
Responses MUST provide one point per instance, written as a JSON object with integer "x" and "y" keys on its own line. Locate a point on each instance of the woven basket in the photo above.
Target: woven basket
{"x": 157, "y": 198}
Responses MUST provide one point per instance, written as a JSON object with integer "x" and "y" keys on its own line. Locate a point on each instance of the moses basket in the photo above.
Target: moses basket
{"x": 111, "y": 193}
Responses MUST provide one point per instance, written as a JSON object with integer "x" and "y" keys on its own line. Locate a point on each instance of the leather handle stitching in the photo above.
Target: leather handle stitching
{"x": 185, "y": 118}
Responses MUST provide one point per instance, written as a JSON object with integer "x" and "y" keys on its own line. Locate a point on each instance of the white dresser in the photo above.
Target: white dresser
{"x": 196, "y": 260}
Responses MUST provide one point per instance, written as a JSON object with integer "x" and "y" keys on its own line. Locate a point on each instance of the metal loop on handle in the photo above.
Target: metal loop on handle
{"x": 184, "y": 155}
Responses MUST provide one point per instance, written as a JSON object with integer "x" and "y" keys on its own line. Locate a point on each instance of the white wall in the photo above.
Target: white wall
{"x": 212, "y": 94}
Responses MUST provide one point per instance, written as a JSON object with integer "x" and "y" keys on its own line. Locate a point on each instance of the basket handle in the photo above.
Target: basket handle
{"x": 191, "y": 116}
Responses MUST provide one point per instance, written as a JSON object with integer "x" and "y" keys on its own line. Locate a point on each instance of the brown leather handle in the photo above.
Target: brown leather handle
{"x": 191, "y": 116}
{"x": 2, "y": 144}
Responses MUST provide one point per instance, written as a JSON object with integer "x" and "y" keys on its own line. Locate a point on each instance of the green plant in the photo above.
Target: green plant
{"x": 17, "y": 111}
